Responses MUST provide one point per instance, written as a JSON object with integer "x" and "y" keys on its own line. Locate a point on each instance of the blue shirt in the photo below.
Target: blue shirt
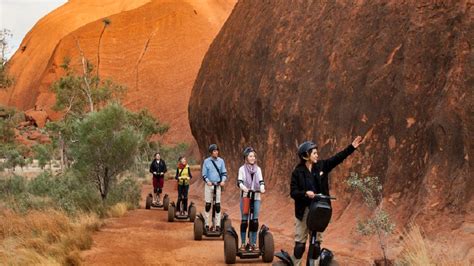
{"x": 209, "y": 172}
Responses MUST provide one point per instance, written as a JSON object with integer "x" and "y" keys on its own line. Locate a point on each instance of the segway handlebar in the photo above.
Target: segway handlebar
{"x": 322, "y": 196}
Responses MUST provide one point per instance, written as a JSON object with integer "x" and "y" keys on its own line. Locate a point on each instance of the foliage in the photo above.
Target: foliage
{"x": 380, "y": 222}
{"x": 5, "y": 80}
{"x": 43, "y": 153}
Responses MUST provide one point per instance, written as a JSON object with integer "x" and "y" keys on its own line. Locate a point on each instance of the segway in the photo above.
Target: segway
{"x": 149, "y": 202}
{"x": 319, "y": 215}
{"x": 199, "y": 223}
{"x": 265, "y": 241}
{"x": 172, "y": 212}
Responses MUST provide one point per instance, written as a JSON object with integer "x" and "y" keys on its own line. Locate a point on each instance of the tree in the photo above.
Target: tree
{"x": 5, "y": 80}
{"x": 106, "y": 22}
{"x": 44, "y": 154}
{"x": 77, "y": 95}
{"x": 13, "y": 156}
{"x": 107, "y": 144}
{"x": 380, "y": 222}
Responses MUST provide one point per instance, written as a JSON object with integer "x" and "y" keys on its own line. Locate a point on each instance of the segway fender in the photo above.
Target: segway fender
{"x": 232, "y": 232}
{"x": 284, "y": 257}
{"x": 261, "y": 235}
{"x": 200, "y": 216}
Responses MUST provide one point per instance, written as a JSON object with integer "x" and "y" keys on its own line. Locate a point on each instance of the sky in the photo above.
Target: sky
{"x": 19, "y": 16}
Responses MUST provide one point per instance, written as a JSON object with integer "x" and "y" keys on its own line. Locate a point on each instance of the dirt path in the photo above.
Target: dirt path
{"x": 144, "y": 237}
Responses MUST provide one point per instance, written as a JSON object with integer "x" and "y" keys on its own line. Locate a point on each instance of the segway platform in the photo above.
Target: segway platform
{"x": 173, "y": 216}
{"x": 149, "y": 202}
{"x": 200, "y": 228}
{"x": 265, "y": 245}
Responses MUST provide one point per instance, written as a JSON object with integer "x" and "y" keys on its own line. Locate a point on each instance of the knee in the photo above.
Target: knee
{"x": 208, "y": 206}
{"x": 299, "y": 250}
{"x": 253, "y": 227}
{"x": 218, "y": 207}
{"x": 243, "y": 226}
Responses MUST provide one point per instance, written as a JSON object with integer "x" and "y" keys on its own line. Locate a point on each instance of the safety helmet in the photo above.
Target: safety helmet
{"x": 247, "y": 151}
{"x": 305, "y": 147}
{"x": 213, "y": 147}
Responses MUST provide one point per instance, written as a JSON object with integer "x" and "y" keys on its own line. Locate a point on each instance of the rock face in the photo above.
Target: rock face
{"x": 31, "y": 60}
{"x": 400, "y": 74}
{"x": 154, "y": 48}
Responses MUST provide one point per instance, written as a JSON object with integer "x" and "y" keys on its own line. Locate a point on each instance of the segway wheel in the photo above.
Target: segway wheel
{"x": 230, "y": 248}
{"x": 192, "y": 213}
{"x": 198, "y": 229}
{"x": 148, "y": 202}
{"x": 227, "y": 224}
{"x": 268, "y": 247}
{"x": 171, "y": 214}
{"x": 166, "y": 202}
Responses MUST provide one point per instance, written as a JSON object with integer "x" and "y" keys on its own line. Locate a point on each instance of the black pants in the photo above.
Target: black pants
{"x": 183, "y": 197}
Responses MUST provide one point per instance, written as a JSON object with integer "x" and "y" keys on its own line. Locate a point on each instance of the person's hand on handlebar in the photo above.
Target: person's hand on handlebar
{"x": 209, "y": 183}
{"x": 222, "y": 183}
{"x": 310, "y": 194}
{"x": 245, "y": 189}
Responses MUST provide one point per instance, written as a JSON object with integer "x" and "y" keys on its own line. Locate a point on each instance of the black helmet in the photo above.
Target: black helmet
{"x": 213, "y": 147}
{"x": 247, "y": 151}
{"x": 305, "y": 147}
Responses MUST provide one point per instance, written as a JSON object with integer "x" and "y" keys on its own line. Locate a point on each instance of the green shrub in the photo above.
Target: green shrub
{"x": 128, "y": 191}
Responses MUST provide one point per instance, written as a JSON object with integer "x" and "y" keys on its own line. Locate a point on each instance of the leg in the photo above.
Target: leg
{"x": 301, "y": 235}
{"x": 185, "y": 197}
{"x": 155, "y": 189}
{"x": 208, "y": 200}
{"x": 180, "y": 198}
{"x": 254, "y": 223}
{"x": 161, "y": 181}
{"x": 218, "y": 207}
{"x": 243, "y": 224}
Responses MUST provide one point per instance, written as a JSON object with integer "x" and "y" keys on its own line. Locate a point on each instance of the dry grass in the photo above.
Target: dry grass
{"x": 118, "y": 210}
{"x": 45, "y": 237}
{"x": 418, "y": 250}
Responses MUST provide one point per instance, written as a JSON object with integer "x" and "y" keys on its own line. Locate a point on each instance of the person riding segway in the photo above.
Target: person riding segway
{"x": 214, "y": 175}
{"x": 158, "y": 169}
{"x": 250, "y": 181}
{"x": 180, "y": 210}
{"x": 309, "y": 178}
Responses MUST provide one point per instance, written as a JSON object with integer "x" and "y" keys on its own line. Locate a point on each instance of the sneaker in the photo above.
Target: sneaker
{"x": 254, "y": 248}
{"x": 218, "y": 228}
{"x": 207, "y": 227}
{"x": 243, "y": 247}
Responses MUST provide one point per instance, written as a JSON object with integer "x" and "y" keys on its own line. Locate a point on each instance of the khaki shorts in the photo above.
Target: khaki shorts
{"x": 301, "y": 230}
{"x": 209, "y": 191}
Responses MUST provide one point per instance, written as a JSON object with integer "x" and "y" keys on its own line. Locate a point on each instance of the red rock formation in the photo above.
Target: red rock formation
{"x": 154, "y": 48}
{"x": 400, "y": 74}
{"x": 37, "y": 117}
{"x": 31, "y": 59}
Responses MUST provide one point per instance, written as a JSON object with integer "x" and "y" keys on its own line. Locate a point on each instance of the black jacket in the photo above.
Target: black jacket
{"x": 302, "y": 180}
{"x": 158, "y": 168}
